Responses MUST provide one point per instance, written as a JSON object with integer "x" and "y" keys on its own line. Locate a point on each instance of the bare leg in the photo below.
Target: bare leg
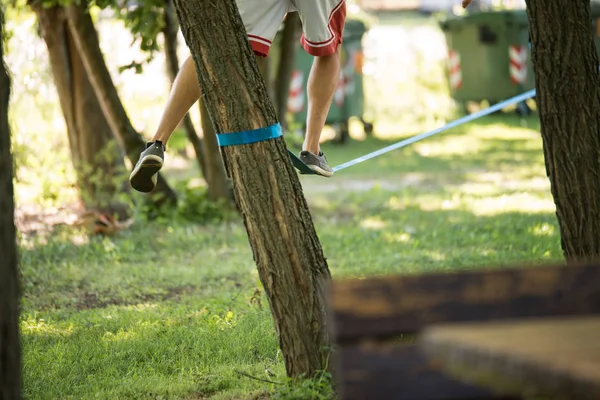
{"x": 322, "y": 83}
{"x": 184, "y": 94}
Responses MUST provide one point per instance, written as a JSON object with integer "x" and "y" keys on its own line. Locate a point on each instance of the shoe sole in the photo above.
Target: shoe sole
{"x": 143, "y": 177}
{"x": 321, "y": 171}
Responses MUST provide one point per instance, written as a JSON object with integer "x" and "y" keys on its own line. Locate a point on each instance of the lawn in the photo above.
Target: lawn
{"x": 173, "y": 310}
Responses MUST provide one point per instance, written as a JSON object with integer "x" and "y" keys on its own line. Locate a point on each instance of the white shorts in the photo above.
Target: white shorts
{"x": 322, "y": 23}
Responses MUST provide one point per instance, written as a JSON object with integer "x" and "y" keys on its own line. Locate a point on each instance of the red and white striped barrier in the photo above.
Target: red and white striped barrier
{"x": 340, "y": 92}
{"x": 296, "y": 95}
{"x": 518, "y": 64}
{"x": 455, "y": 70}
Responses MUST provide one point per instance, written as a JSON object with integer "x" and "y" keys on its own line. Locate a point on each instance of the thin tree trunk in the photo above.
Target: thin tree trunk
{"x": 170, "y": 34}
{"x": 289, "y": 257}
{"x": 86, "y": 40}
{"x": 287, "y": 59}
{"x": 97, "y": 158}
{"x": 568, "y": 97}
{"x": 219, "y": 186}
{"x": 10, "y": 348}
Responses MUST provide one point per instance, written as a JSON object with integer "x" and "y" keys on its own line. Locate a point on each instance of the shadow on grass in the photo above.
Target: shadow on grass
{"x": 152, "y": 261}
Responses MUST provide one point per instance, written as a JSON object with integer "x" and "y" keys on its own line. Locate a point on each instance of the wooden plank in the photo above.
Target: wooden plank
{"x": 555, "y": 358}
{"x": 400, "y": 372}
{"x": 383, "y": 307}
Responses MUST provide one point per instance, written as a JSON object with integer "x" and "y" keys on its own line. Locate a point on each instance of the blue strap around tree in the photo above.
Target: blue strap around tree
{"x": 259, "y": 135}
{"x": 248, "y": 137}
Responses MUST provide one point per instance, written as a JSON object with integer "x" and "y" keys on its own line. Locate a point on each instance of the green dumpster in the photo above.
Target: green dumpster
{"x": 348, "y": 100}
{"x": 488, "y": 56}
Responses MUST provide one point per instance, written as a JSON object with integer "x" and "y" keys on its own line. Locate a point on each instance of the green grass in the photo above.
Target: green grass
{"x": 169, "y": 310}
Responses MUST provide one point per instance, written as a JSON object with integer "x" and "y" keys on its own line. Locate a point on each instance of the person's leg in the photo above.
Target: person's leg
{"x": 261, "y": 19}
{"x": 322, "y": 83}
{"x": 323, "y": 25}
{"x": 184, "y": 93}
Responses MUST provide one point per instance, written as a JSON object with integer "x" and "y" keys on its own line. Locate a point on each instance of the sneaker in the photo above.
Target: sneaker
{"x": 317, "y": 163}
{"x": 143, "y": 177}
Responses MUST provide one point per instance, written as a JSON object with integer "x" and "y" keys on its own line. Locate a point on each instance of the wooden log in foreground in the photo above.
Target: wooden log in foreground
{"x": 555, "y": 358}
{"x": 384, "y": 307}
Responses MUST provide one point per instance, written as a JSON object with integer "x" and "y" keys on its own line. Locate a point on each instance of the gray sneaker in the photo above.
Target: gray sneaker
{"x": 143, "y": 177}
{"x": 317, "y": 163}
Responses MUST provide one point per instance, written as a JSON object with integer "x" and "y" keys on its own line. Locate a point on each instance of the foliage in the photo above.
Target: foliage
{"x": 145, "y": 20}
{"x": 104, "y": 179}
{"x": 195, "y": 205}
{"x": 318, "y": 388}
{"x": 47, "y": 175}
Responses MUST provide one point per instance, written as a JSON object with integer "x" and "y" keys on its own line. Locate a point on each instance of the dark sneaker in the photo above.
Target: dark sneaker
{"x": 143, "y": 177}
{"x": 317, "y": 163}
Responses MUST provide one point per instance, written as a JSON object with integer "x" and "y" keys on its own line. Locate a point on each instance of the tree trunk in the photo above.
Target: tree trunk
{"x": 287, "y": 61}
{"x": 216, "y": 178}
{"x": 10, "y": 348}
{"x": 207, "y": 150}
{"x": 86, "y": 40}
{"x": 568, "y": 98}
{"x": 97, "y": 158}
{"x": 170, "y": 31}
{"x": 289, "y": 257}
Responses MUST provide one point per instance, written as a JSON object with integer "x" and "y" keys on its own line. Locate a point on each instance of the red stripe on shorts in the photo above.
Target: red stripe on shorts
{"x": 259, "y": 45}
{"x": 337, "y": 19}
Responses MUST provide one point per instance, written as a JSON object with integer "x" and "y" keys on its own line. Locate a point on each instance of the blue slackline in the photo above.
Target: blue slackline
{"x": 274, "y": 131}
{"x": 468, "y": 118}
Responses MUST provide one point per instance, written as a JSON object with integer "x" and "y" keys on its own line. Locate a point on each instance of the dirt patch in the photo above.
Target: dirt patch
{"x": 350, "y": 185}
{"x": 31, "y": 219}
{"x": 34, "y": 221}
{"x": 90, "y": 300}
{"x": 260, "y": 396}
{"x": 419, "y": 180}
{"x": 205, "y": 396}
{"x": 199, "y": 396}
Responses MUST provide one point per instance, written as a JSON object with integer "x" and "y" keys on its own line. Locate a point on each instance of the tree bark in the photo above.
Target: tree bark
{"x": 287, "y": 60}
{"x": 170, "y": 31}
{"x": 10, "y": 348}
{"x": 97, "y": 158}
{"x": 86, "y": 40}
{"x": 207, "y": 150}
{"x": 568, "y": 98}
{"x": 289, "y": 257}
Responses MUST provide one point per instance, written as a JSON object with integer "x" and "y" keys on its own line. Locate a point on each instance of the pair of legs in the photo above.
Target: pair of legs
{"x": 321, "y": 86}
{"x": 323, "y": 24}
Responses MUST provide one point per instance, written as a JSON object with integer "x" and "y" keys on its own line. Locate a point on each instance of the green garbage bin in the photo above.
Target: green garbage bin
{"x": 488, "y": 56}
{"x": 348, "y": 100}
